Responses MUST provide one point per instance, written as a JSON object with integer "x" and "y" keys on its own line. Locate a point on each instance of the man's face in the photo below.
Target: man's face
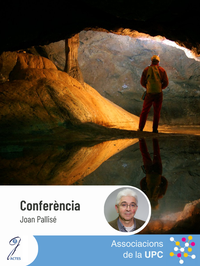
{"x": 127, "y": 213}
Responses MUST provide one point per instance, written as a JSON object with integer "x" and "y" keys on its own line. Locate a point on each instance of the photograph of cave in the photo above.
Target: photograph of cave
{"x": 71, "y": 101}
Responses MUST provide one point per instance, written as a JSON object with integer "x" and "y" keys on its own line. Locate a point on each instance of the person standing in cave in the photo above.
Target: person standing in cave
{"x": 154, "y": 79}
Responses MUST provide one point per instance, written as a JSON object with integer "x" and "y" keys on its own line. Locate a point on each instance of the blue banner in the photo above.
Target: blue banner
{"x": 110, "y": 250}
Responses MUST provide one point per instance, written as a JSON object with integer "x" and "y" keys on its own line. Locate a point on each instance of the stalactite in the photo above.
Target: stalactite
{"x": 72, "y": 65}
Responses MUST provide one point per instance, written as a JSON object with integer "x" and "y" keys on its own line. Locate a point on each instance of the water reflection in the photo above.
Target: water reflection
{"x": 171, "y": 183}
{"x": 43, "y": 164}
{"x": 153, "y": 184}
{"x": 170, "y": 175}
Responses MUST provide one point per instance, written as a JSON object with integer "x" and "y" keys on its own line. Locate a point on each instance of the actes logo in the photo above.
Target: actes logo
{"x": 15, "y": 242}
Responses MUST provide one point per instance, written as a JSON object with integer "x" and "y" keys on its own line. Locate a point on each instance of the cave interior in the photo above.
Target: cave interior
{"x": 71, "y": 98}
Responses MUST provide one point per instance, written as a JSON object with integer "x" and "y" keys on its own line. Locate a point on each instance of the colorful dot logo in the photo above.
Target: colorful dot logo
{"x": 185, "y": 251}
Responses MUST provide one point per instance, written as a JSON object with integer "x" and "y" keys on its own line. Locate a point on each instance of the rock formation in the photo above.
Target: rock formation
{"x": 185, "y": 221}
{"x": 72, "y": 65}
{"x": 37, "y": 97}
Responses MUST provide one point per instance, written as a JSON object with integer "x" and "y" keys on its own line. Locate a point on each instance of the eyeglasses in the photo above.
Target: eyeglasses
{"x": 125, "y": 205}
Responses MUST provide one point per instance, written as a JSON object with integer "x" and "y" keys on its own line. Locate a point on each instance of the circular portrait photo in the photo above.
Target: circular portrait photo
{"x": 127, "y": 209}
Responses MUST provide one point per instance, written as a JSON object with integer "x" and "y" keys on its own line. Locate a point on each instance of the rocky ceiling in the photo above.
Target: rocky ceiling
{"x": 26, "y": 24}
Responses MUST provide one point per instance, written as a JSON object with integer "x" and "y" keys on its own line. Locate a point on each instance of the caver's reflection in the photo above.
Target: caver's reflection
{"x": 153, "y": 184}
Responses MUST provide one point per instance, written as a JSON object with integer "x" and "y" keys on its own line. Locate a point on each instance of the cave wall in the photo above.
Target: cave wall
{"x": 113, "y": 64}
